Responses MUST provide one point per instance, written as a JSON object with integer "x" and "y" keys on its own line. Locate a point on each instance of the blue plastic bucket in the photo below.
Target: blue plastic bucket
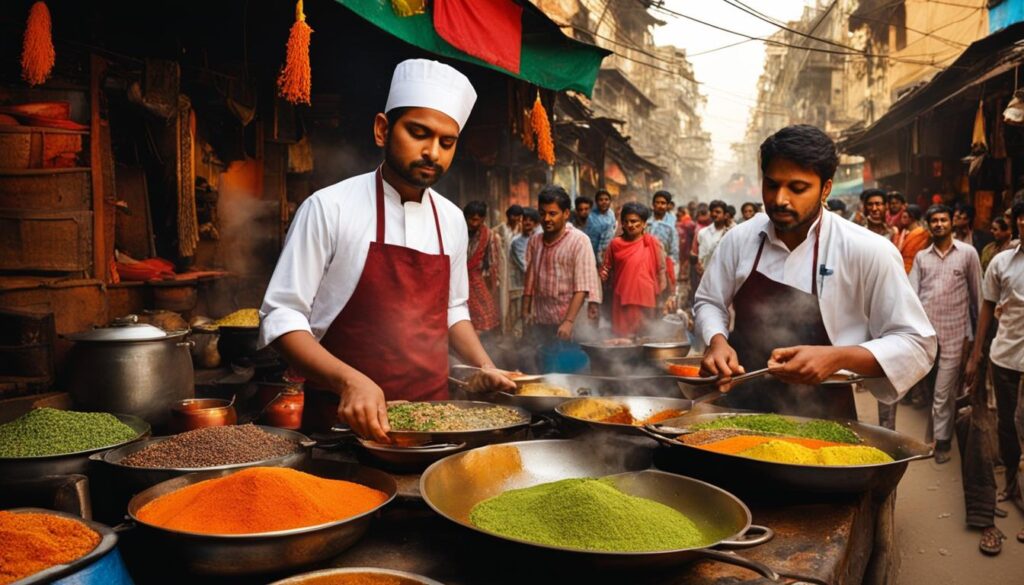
{"x": 562, "y": 357}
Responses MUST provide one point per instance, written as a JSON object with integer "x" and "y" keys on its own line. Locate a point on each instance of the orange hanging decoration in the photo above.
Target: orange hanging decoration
{"x": 296, "y": 80}
{"x": 37, "y": 54}
{"x": 526, "y": 134}
{"x": 542, "y": 128}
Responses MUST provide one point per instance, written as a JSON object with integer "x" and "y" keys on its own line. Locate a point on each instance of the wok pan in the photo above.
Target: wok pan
{"x": 454, "y": 485}
{"x": 640, "y": 407}
{"x": 735, "y": 473}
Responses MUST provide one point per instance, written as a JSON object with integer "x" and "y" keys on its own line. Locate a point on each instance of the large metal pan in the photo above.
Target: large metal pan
{"x": 12, "y": 468}
{"x": 453, "y": 486}
{"x": 766, "y": 478}
{"x": 613, "y": 359}
{"x": 268, "y": 552}
{"x": 136, "y": 479}
{"x": 384, "y": 575}
{"x": 474, "y": 438}
{"x": 640, "y": 407}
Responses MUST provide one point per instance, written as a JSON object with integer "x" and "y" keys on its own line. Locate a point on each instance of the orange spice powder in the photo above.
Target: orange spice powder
{"x": 734, "y": 445}
{"x": 260, "y": 499}
{"x": 30, "y": 543}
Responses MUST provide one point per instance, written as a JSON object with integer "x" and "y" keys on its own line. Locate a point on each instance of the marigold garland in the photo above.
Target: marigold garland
{"x": 296, "y": 79}
{"x": 37, "y": 54}
{"x": 541, "y": 127}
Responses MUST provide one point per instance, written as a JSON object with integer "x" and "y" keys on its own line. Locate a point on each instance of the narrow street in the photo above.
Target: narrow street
{"x": 935, "y": 545}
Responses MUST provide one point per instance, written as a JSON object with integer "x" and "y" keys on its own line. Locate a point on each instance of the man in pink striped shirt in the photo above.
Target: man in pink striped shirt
{"x": 561, "y": 273}
{"x": 947, "y": 278}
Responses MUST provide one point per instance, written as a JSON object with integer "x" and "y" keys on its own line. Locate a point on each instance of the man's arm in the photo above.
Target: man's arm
{"x": 565, "y": 327}
{"x": 988, "y": 309}
{"x": 974, "y": 286}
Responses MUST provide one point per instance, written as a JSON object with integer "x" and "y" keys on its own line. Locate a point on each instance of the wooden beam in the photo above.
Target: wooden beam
{"x": 97, "y": 69}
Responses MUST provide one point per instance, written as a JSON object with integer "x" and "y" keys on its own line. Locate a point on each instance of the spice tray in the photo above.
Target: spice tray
{"x": 102, "y": 565}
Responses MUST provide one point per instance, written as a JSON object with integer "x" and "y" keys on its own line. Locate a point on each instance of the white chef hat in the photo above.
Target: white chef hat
{"x": 422, "y": 83}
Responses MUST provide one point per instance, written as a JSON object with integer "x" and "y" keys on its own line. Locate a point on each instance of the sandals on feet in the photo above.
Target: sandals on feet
{"x": 992, "y": 540}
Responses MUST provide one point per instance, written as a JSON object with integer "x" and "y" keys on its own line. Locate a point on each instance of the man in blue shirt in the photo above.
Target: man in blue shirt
{"x": 600, "y": 227}
{"x": 663, "y": 227}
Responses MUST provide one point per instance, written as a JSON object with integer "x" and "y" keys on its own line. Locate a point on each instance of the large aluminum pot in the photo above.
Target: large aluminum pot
{"x": 132, "y": 369}
{"x": 268, "y": 552}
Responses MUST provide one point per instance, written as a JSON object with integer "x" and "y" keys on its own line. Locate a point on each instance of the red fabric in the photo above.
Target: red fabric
{"x": 634, "y": 267}
{"x": 482, "y": 310}
{"x": 394, "y": 329}
{"x": 491, "y": 30}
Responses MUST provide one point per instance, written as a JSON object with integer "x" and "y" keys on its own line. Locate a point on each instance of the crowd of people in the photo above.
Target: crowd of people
{"x": 532, "y": 276}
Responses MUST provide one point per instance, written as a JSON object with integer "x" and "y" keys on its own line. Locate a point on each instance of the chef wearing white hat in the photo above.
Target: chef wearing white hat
{"x": 371, "y": 286}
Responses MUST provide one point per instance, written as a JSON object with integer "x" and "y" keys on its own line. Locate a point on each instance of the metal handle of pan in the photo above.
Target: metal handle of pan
{"x": 732, "y": 558}
{"x": 753, "y": 536}
{"x": 655, "y": 432}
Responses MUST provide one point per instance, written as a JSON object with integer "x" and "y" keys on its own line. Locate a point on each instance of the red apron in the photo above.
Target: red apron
{"x": 394, "y": 329}
{"x": 770, "y": 315}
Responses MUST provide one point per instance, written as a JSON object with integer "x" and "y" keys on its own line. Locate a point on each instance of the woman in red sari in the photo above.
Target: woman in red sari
{"x": 912, "y": 237}
{"x": 635, "y": 263}
{"x": 482, "y": 266}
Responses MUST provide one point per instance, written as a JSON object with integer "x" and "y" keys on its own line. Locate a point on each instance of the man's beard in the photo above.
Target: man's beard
{"x": 407, "y": 172}
{"x": 800, "y": 223}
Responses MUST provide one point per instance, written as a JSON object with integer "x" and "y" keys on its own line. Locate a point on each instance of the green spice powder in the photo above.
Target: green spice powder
{"x": 589, "y": 514}
{"x": 823, "y": 430}
{"x": 48, "y": 431}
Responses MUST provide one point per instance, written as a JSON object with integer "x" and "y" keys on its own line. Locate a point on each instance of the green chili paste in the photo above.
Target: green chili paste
{"x": 589, "y": 514}
{"x": 823, "y": 430}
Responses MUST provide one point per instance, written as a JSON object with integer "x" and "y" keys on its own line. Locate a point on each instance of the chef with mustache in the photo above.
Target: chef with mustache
{"x": 813, "y": 294}
{"x": 371, "y": 288}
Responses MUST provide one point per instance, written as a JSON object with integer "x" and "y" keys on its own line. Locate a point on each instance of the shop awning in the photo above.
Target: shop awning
{"x": 548, "y": 58}
{"x": 984, "y": 59}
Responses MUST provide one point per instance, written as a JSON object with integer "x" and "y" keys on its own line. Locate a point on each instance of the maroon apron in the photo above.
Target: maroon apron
{"x": 394, "y": 329}
{"x": 770, "y": 315}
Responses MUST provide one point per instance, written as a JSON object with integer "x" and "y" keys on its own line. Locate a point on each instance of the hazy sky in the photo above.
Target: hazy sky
{"x": 728, "y": 77}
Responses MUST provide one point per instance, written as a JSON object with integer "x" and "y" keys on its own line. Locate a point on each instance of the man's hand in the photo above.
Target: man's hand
{"x": 971, "y": 372}
{"x": 604, "y": 273}
{"x": 593, "y": 311}
{"x": 565, "y": 330}
{"x": 803, "y": 364}
{"x": 491, "y": 379}
{"x": 364, "y": 409}
{"x": 670, "y": 304}
{"x": 721, "y": 360}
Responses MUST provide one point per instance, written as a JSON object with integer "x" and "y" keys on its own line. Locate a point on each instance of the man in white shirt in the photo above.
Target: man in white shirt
{"x": 709, "y": 237}
{"x": 813, "y": 294}
{"x": 372, "y": 286}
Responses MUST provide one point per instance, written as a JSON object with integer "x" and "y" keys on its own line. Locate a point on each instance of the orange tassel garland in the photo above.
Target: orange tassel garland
{"x": 37, "y": 54}
{"x": 541, "y": 127}
{"x": 296, "y": 80}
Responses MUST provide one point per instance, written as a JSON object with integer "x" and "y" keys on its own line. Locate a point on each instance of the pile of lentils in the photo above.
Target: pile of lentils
{"x": 48, "y": 431}
{"x": 212, "y": 447}
{"x": 427, "y": 416}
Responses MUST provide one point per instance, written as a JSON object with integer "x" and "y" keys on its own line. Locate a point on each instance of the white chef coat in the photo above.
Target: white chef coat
{"x": 866, "y": 300}
{"x": 327, "y": 245}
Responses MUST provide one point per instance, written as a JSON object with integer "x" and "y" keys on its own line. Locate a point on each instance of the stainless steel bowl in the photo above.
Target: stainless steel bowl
{"x": 408, "y": 459}
{"x": 454, "y": 485}
{"x": 12, "y": 468}
{"x": 656, "y": 351}
{"x": 404, "y": 578}
{"x": 640, "y": 407}
{"x": 266, "y": 552}
{"x": 136, "y": 479}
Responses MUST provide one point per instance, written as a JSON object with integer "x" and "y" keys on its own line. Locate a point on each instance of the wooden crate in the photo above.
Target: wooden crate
{"x": 48, "y": 241}
{"x": 56, "y": 190}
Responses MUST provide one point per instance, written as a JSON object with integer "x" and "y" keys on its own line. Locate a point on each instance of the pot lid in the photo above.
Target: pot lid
{"x": 132, "y": 332}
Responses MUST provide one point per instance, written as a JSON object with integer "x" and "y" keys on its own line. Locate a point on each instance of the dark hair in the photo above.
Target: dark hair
{"x": 514, "y": 210}
{"x": 663, "y": 194}
{"x": 967, "y": 210}
{"x": 934, "y": 209}
{"x": 531, "y": 213}
{"x": 702, "y": 208}
{"x": 730, "y": 210}
{"x": 835, "y": 205}
{"x": 750, "y": 205}
{"x": 600, "y": 192}
{"x": 395, "y": 115}
{"x": 804, "y": 145}
{"x": 1001, "y": 222}
{"x": 554, "y": 194}
{"x": 635, "y": 208}
{"x": 915, "y": 211}
{"x": 1015, "y": 212}
{"x": 895, "y": 195}
{"x": 719, "y": 204}
{"x": 584, "y": 199}
{"x": 869, "y": 193}
{"x": 475, "y": 208}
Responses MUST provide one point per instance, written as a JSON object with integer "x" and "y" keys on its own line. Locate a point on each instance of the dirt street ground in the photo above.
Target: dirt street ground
{"x": 936, "y": 547}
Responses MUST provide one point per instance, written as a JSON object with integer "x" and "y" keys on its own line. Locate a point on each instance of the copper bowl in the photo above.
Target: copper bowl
{"x": 198, "y": 413}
